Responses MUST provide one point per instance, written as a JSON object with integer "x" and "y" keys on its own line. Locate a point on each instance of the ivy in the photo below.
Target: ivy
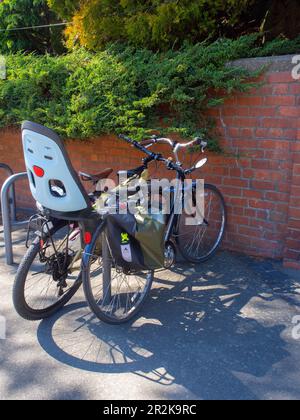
{"x": 125, "y": 90}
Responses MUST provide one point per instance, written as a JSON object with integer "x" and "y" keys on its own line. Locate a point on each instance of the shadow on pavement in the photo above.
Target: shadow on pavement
{"x": 193, "y": 331}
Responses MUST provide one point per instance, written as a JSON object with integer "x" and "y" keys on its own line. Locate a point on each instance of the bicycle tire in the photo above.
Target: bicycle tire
{"x": 88, "y": 290}
{"x": 187, "y": 256}
{"x": 19, "y": 299}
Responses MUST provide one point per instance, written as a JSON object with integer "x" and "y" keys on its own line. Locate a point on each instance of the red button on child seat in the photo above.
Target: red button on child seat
{"x": 39, "y": 171}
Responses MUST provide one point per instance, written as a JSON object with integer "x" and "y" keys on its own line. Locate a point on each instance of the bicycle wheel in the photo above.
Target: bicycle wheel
{"x": 48, "y": 278}
{"x": 198, "y": 243}
{"x": 113, "y": 294}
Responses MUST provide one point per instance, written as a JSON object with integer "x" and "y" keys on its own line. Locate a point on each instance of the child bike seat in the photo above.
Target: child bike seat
{"x": 52, "y": 178}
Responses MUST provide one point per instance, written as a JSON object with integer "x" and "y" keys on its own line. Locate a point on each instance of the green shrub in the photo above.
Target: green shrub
{"x": 82, "y": 95}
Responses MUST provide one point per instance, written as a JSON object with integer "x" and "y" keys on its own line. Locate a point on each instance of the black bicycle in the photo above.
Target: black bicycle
{"x": 50, "y": 273}
{"x": 114, "y": 293}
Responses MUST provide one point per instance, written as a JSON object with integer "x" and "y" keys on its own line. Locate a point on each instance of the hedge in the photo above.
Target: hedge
{"x": 125, "y": 90}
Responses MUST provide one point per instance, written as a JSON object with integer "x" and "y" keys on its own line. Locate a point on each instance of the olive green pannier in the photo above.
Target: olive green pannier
{"x": 137, "y": 241}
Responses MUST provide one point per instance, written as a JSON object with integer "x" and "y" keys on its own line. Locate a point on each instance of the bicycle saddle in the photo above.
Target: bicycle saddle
{"x": 95, "y": 178}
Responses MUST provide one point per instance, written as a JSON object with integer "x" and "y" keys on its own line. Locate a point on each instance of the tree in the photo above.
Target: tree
{"x": 28, "y": 13}
{"x": 64, "y": 8}
{"x": 156, "y": 24}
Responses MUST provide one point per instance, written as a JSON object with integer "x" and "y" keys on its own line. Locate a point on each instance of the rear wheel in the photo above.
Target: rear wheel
{"x": 113, "y": 294}
{"x": 199, "y": 242}
{"x": 49, "y": 275}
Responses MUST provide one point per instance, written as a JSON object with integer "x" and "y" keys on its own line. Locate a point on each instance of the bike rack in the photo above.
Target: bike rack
{"x": 10, "y": 224}
{"x": 12, "y": 195}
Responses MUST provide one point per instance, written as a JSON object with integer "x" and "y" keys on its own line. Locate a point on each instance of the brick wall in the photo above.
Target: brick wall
{"x": 260, "y": 178}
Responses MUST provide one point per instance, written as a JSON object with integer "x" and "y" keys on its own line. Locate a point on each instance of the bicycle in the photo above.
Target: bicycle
{"x": 116, "y": 294}
{"x": 50, "y": 273}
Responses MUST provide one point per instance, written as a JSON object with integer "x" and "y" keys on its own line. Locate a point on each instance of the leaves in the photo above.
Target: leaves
{"x": 123, "y": 90}
{"x": 27, "y": 13}
{"x": 154, "y": 24}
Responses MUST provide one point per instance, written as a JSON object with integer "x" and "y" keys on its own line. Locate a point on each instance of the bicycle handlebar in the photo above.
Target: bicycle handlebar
{"x": 175, "y": 145}
{"x": 158, "y": 157}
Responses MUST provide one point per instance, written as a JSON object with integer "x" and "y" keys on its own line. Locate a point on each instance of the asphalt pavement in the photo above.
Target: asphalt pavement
{"x": 221, "y": 330}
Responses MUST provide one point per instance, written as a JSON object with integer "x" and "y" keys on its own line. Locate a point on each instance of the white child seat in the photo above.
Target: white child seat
{"x": 52, "y": 178}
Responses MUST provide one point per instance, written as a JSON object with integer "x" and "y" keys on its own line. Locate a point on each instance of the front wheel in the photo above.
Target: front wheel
{"x": 198, "y": 242}
{"x": 114, "y": 294}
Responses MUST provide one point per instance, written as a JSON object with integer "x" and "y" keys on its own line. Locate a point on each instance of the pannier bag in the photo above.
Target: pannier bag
{"x": 137, "y": 241}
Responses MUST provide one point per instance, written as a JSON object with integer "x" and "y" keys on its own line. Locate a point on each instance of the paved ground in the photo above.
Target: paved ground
{"x": 222, "y": 330}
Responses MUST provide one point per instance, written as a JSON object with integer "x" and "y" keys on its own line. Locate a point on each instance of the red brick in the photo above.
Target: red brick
{"x": 290, "y": 134}
{"x": 253, "y": 194}
{"x": 294, "y": 190}
{"x": 236, "y": 182}
{"x": 235, "y": 172}
{"x": 279, "y": 123}
{"x": 294, "y": 88}
{"x": 263, "y": 243}
{"x": 278, "y": 100}
{"x": 296, "y": 169}
{"x": 262, "y": 133}
{"x": 257, "y": 153}
{"x": 248, "y": 173}
{"x": 277, "y": 217}
{"x": 266, "y": 89}
{"x": 281, "y": 89}
{"x": 294, "y": 224}
{"x": 251, "y": 232}
{"x": 282, "y": 153}
{"x": 232, "y": 191}
{"x": 294, "y": 213}
{"x": 263, "y": 205}
{"x": 293, "y": 244}
{"x": 280, "y": 77}
{"x": 289, "y": 111}
{"x": 272, "y": 236}
{"x": 246, "y": 132}
{"x": 291, "y": 254}
{"x": 261, "y": 164}
{"x": 293, "y": 233}
{"x": 274, "y": 144}
{"x": 262, "y": 185}
{"x": 252, "y": 101}
{"x": 264, "y": 111}
{"x": 241, "y": 111}
{"x": 295, "y": 201}
{"x": 261, "y": 224}
{"x": 276, "y": 196}
{"x": 251, "y": 213}
{"x": 245, "y": 122}
{"x": 266, "y": 175}
{"x": 238, "y": 220}
{"x": 240, "y": 211}
{"x": 238, "y": 201}
{"x": 233, "y": 132}
{"x": 244, "y": 144}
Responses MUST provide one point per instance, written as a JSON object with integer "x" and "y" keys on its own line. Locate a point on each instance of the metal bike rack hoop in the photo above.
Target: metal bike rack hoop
{"x": 12, "y": 195}
{"x": 8, "y": 224}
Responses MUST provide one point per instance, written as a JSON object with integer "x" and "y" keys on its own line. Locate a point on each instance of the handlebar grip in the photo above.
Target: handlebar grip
{"x": 148, "y": 142}
{"x": 201, "y": 142}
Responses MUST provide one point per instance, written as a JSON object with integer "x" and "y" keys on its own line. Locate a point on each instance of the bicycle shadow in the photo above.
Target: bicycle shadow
{"x": 194, "y": 331}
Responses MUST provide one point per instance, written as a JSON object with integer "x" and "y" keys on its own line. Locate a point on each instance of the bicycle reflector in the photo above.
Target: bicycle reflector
{"x": 39, "y": 172}
{"x": 87, "y": 238}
